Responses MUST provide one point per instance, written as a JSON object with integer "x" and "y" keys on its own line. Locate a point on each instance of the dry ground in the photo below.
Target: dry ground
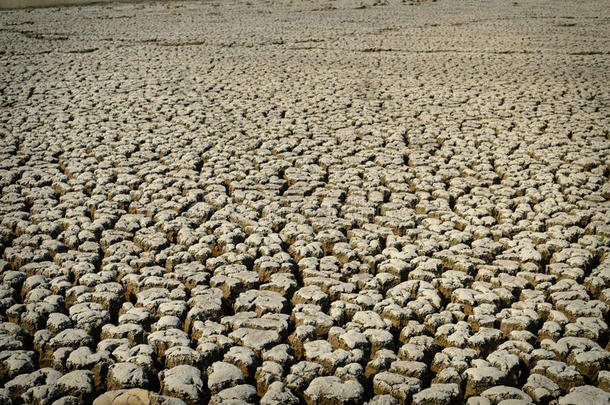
{"x": 311, "y": 202}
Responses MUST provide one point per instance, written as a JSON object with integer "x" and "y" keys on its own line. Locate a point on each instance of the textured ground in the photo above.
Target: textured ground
{"x": 306, "y": 202}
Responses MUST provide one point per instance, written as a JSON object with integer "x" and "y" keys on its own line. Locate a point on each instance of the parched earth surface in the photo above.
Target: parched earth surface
{"x": 305, "y": 203}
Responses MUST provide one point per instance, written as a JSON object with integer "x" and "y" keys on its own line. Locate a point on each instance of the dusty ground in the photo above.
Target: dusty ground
{"x": 321, "y": 202}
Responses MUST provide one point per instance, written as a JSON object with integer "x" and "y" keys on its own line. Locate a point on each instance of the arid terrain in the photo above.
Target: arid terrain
{"x": 305, "y": 202}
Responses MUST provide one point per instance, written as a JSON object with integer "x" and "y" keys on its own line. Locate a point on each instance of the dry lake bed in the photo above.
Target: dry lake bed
{"x": 305, "y": 202}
